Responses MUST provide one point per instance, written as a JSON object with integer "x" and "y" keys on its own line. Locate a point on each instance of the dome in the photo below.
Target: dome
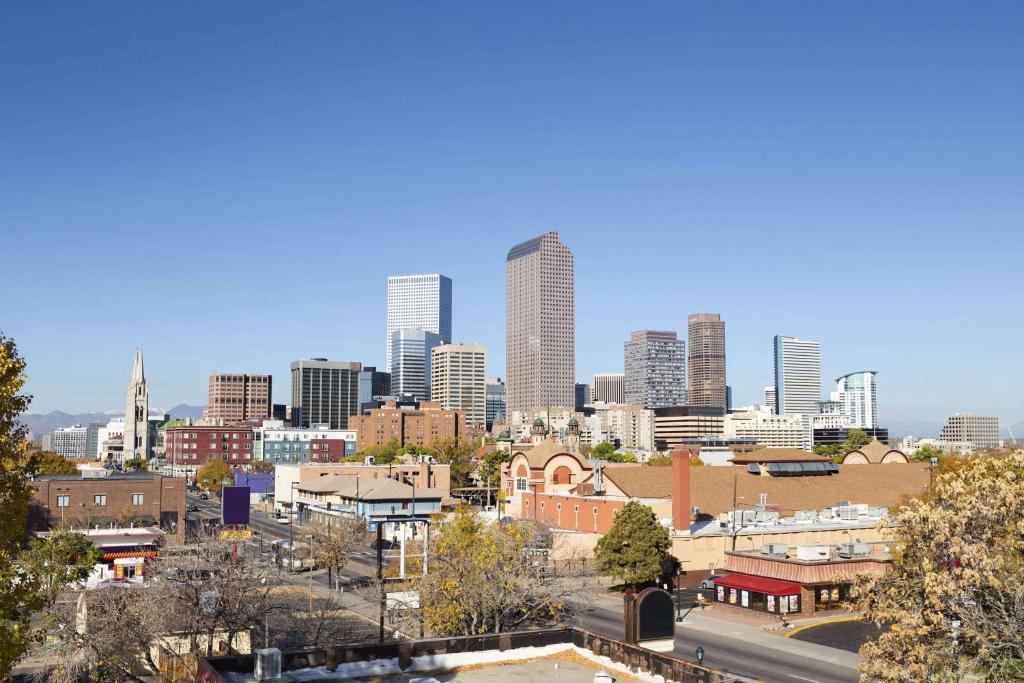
{"x": 573, "y": 422}
{"x": 505, "y": 435}
{"x": 538, "y": 422}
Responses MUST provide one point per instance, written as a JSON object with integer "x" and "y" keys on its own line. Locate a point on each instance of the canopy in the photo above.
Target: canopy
{"x": 758, "y": 584}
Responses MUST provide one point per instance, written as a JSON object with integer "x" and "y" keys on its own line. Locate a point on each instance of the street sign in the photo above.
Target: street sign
{"x": 236, "y": 534}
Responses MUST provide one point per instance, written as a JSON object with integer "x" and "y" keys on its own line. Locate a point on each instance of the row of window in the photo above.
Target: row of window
{"x": 99, "y": 500}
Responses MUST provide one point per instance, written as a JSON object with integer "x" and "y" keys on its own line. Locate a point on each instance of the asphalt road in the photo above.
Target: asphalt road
{"x": 845, "y": 635}
{"x": 731, "y": 655}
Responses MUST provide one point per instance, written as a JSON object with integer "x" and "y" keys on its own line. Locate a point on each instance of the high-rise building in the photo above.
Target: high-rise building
{"x": 655, "y": 369}
{"x": 797, "y": 376}
{"x": 372, "y": 383}
{"x": 770, "y": 401}
{"x": 609, "y": 387}
{"x": 496, "y": 407}
{"x": 540, "y": 324}
{"x": 421, "y": 302}
{"x": 857, "y": 394}
{"x": 236, "y": 397}
{"x": 410, "y": 361}
{"x": 706, "y": 332}
{"x": 979, "y": 431}
{"x": 678, "y": 425}
{"x": 325, "y": 392}
{"x": 458, "y": 380}
{"x": 70, "y": 442}
{"x": 582, "y": 397}
{"x": 136, "y": 414}
{"x": 92, "y": 439}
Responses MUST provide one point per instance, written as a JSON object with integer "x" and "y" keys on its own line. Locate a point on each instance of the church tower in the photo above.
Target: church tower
{"x": 136, "y": 413}
{"x": 572, "y": 435}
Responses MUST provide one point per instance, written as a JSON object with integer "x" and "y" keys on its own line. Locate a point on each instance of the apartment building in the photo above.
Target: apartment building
{"x": 236, "y": 397}
{"x": 458, "y": 381}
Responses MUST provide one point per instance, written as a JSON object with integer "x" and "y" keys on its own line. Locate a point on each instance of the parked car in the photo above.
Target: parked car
{"x": 204, "y": 496}
{"x": 709, "y": 583}
{"x": 191, "y": 508}
{"x": 283, "y": 520}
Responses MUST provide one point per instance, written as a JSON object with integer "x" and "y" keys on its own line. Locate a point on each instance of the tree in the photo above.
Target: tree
{"x": 955, "y": 591}
{"x": 855, "y": 439}
{"x": 382, "y": 454}
{"x": 660, "y": 461}
{"x": 926, "y": 453}
{"x": 263, "y": 466}
{"x": 634, "y": 547}
{"x": 603, "y": 451}
{"x": 834, "y": 451}
{"x": 63, "y": 559}
{"x": 211, "y": 476}
{"x": 48, "y": 462}
{"x": 488, "y": 471}
{"x": 332, "y": 542}
{"x": 458, "y": 453}
{"x": 136, "y": 465}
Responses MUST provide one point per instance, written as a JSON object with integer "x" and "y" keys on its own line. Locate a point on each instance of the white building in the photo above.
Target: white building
{"x": 275, "y": 442}
{"x": 458, "y": 380}
{"x": 655, "y": 369}
{"x": 982, "y": 431}
{"x": 629, "y": 426}
{"x": 421, "y": 302}
{"x": 770, "y": 401}
{"x": 778, "y": 431}
{"x": 831, "y": 415}
{"x": 70, "y": 442}
{"x": 797, "y": 375}
{"x": 410, "y": 361}
{"x": 857, "y": 392}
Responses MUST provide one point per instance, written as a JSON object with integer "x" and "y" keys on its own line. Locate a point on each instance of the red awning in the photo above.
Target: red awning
{"x": 130, "y": 553}
{"x": 759, "y": 584}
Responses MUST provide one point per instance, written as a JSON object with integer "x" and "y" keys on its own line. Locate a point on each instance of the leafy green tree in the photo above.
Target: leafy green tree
{"x": 383, "y": 454}
{"x": 489, "y": 469}
{"x": 603, "y": 451}
{"x": 65, "y": 558}
{"x": 926, "y": 453}
{"x": 634, "y": 548}
{"x": 459, "y": 454}
{"x": 211, "y": 476}
{"x": 834, "y": 450}
{"x": 659, "y": 461}
{"x": 48, "y": 462}
{"x": 136, "y": 465}
{"x": 855, "y": 439}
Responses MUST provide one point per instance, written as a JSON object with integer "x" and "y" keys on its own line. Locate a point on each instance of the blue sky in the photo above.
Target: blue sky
{"x": 229, "y": 184}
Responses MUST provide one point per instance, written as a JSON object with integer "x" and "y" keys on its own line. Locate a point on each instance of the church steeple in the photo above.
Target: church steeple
{"x": 136, "y": 413}
{"x": 138, "y": 371}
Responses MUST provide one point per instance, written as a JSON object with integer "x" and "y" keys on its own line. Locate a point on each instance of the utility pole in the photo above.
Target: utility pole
{"x": 380, "y": 574}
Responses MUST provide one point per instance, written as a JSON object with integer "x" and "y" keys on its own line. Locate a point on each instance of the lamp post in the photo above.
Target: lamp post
{"x": 291, "y": 529}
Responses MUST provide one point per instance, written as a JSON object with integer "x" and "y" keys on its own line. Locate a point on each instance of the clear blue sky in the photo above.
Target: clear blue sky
{"x": 230, "y": 183}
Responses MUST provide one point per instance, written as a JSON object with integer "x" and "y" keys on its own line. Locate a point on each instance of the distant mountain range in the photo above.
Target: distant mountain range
{"x": 44, "y": 423}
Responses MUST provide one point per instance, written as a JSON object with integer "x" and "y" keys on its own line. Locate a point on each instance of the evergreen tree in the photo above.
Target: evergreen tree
{"x": 635, "y": 546}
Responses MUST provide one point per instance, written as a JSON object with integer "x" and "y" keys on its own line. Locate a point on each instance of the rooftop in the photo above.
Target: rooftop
{"x": 777, "y": 455}
{"x": 92, "y": 476}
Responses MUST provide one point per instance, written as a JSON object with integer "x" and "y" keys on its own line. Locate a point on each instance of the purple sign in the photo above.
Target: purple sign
{"x": 234, "y": 505}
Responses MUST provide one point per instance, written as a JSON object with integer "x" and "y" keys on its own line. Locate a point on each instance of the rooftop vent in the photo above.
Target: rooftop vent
{"x": 95, "y": 473}
{"x": 851, "y": 550}
{"x": 775, "y": 550}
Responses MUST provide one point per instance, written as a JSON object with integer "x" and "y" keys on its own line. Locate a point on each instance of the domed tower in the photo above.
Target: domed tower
{"x": 504, "y": 441}
{"x": 539, "y": 431}
{"x": 572, "y": 435}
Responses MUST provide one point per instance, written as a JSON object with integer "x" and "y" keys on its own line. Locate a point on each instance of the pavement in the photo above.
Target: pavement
{"x": 846, "y": 633}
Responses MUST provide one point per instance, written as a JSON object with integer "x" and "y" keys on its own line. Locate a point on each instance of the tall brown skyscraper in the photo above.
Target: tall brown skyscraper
{"x": 540, "y": 324}
{"x": 234, "y": 397}
{"x": 707, "y": 360}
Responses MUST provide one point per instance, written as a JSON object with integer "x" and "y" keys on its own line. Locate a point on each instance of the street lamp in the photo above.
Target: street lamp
{"x": 291, "y": 525}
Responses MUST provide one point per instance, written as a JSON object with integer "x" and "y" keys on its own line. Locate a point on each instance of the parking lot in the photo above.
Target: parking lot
{"x": 846, "y": 634}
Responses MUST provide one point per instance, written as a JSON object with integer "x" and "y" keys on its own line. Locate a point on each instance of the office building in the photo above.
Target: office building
{"x": 136, "y": 414}
{"x": 582, "y": 397}
{"x": 830, "y": 415}
{"x": 608, "y": 387}
{"x": 979, "y": 431}
{"x": 678, "y": 425}
{"x": 540, "y": 324}
{"x": 655, "y": 369}
{"x": 422, "y": 302}
{"x": 832, "y": 436}
{"x": 770, "y": 402}
{"x": 777, "y": 431}
{"x": 372, "y": 383}
{"x": 92, "y": 439}
{"x": 797, "y": 376}
{"x": 70, "y": 442}
{"x": 857, "y": 393}
{"x": 410, "y": 362}
{"x": 706, "y": 332}
{"x": 627, "y": 426}
{"x": 325, "y": 392}
{"x": 422, "y": 424}
{"x": 458, "y": 381}
{"x": 496, "y": 408}
{"x": 236, "y": 397}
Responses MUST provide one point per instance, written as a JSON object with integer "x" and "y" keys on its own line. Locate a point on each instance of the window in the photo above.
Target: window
{"x": 63, "y": 501}
{"x": 521, "y": 484}
{"x": 137, "y": 498}
{"x": 99, "y": 501}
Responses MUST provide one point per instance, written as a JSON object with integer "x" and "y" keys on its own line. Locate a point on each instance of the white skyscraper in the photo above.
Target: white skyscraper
{"x": 797, "y": 376}
{"x": 857, "y": 394}
{"x": 136, "y": 413}
{"x": 422, "y": 302}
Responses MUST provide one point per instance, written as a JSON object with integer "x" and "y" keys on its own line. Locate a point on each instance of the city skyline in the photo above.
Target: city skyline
{"x": 637, "y": 150}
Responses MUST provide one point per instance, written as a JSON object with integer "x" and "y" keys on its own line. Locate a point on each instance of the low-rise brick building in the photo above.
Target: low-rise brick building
{"x": 189, "y": 447}
{"x": 420, "y": 425}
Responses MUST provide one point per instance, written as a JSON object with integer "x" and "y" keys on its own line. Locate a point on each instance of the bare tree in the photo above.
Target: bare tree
{"x": 332, "y": 541}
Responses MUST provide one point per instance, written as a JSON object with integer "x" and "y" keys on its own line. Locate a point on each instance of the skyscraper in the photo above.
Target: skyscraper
{"x": 540, "y": 324}
{"x": 582, "y": 397}
{"x": 235, "y": 397}
{"x": 857, "y": 394}
{"x": 655, "y": 365}
{"x": 609, "y": 387}
{"x": 136, "y": 413}
{"x": 797, "y": 376}
{"x": 495, "y": 401}
{"x": 419, "y": 302}
{"x": 372, "y": 383}
{"x": 325, "y": 392}
{"x": 410, "y": 361}
{"x": 458, "y": 380}
{"x": 706, "y": 333}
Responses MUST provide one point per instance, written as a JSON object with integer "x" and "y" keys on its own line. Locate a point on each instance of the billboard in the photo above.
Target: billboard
{"x": 234, "y": 505}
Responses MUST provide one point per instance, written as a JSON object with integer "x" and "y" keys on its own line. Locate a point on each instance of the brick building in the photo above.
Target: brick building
{"x": 420, "y": 425}
{"x": 189, "y": 447}
{"x": 234, "y": 397}
{"x": 103, "y": 498}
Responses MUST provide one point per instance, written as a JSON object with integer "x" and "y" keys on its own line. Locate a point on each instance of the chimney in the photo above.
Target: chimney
{"x": 681, "y": 511}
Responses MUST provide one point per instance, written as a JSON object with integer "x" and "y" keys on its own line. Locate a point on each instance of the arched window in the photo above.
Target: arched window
{"x": 561, "y": 475}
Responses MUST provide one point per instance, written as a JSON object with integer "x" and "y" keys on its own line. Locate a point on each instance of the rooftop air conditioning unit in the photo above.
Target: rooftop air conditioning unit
{"x": 775, "y": 550}
{"x": 267, "y": 664}
{"x": 806, "y": 515}
{"x": 812, "y": 552}
{"x": 848, "y": 513}
{"x": 428, "y": 459}
{"x": 369, "y": 460}
{"x": 851, "y": 550}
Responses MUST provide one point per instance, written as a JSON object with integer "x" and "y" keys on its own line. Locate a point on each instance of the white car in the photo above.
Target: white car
{"x": 284, "y": 520}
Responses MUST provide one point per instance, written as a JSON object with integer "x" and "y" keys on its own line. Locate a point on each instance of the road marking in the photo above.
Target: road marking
{"x": 837, "y": 620}
{"x": 802, "y": 678}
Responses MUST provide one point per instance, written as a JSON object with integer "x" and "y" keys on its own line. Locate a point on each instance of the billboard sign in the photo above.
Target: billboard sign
{"x": 234, "y": 505}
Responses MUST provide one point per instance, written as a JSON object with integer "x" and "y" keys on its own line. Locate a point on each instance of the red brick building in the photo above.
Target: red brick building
{"x": 189, "y": 447}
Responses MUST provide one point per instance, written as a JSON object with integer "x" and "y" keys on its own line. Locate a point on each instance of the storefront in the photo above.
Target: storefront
{"x": 758, "y": 593}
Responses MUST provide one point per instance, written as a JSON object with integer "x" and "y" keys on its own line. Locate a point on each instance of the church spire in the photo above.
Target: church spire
{"x": 138, "y": 372}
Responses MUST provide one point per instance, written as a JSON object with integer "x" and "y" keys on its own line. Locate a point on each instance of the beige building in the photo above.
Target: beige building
{"x": 980, "y": 431}
{"x": 422, "y": 475}
{"x": 680, "y": 425}
{"x": 540, "y": 324}
{"x": 706, "y": 333}
{"x": 458, "y": 380}
{"x": 420, "y": 426}
{"x": 608, "y": 387}
{"x": 778, "y": 431}
{"x": 236, "y": 397}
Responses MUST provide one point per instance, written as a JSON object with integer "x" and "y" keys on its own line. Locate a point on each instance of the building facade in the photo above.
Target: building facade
{"x": 496, "y": 406}
{"x": 458, "y": 381}
{"x": 980, "y": 431}
{"x": 277, "y": 443}
{"x": 608, "y": 387}
{"x": 582, "y": 397}
{"x": 706, "y": 332}
{"x": 422, "y": 302}
{"x": 189, "y": 447}
{"x": 71, "y": 442}
{"x": 325, "y": 391}
{"x": 778, "y": 431}
{"x": 410, "y": 362}
{"x": 422, "y": 424}
{"x": 857, "y": 393}
{"x": 678, "y": 425}
{"x": 627, "y": 426}
{"x": 235, "y": 397}
{"x": 655, "y": 369}
{"x": 136, "y": 414}
{"x": 372, "y": 383}
{"x": 797, "y": 376}
{"x": 540, "y": 324}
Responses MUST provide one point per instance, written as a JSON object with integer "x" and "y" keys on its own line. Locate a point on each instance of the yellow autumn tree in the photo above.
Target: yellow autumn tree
{"x": 954, "y": 597}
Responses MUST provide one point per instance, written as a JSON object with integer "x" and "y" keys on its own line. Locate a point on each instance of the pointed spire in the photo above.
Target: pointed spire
{"x": 138, "y": 372}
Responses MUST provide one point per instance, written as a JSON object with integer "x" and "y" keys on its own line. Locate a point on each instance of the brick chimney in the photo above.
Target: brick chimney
{"x": 681, "y": 510}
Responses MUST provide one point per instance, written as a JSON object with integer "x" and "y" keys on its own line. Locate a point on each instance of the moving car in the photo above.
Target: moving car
{"x": 709, "y": 583}
{"x": 283, "y": 520}
{"x": 204, "y": 496}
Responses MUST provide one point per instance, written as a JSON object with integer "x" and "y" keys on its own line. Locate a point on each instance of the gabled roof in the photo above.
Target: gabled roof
{"x": 641, "y": 481}
{"x": 384, "y": 488}
{"x": 777, "y": 455}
